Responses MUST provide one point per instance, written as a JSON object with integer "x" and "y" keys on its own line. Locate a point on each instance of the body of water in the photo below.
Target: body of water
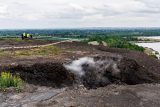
{"x": 155, "y": 46}
{"x": 151, "y": 37}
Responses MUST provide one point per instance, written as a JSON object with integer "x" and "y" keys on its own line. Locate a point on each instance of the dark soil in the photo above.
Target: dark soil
{"x": 135, "y": 67}
{"x": 56, "y": 75}
{"x": 132, "y": 73}
{"x": 129, "y": 72}
{"x": 149, "y": 63}
{"x": 45, "y": 74}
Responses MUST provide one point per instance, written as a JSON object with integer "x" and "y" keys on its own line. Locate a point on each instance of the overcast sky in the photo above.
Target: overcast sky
{"x": 79, "y": 13}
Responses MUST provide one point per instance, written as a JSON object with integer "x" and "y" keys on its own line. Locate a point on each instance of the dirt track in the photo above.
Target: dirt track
{"x": 33, "y": 46}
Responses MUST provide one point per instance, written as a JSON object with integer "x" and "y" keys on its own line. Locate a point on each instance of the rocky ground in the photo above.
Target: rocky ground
{"x": 143, "y": 95}
{"x": 49, "y": 84}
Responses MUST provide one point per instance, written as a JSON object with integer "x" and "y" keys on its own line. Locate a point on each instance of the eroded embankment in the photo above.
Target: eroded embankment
{"x": 45, "y": 74}
{"x": 92, "y": 72}
{"x": 100, "y": 71}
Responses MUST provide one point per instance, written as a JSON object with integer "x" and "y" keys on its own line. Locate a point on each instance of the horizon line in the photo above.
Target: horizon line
{"x": 79, "y": 28}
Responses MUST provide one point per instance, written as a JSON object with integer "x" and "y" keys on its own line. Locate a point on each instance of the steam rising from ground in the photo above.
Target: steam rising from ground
{"x": 95, "y": 71}
{"x": 76, "y": 66}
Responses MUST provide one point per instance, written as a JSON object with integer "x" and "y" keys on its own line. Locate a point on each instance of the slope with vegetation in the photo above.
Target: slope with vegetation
{"x": 116, "y": 42}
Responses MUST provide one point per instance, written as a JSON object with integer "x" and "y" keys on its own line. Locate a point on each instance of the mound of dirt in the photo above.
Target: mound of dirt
{"x": 100, "y": 71}
{"x": 142, "y": 59}
{"x": 45, "y": 74}
{"x": 92, "y": 72}
{"x": 132, "y": 73}
{"x": 110, "y": 66}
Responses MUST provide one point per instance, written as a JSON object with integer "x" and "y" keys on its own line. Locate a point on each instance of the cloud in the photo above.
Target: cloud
{"x": 79, "y": 13}
{"x": 3, "y": 11}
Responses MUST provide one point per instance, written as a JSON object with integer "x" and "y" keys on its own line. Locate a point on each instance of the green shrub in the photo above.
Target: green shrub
{"x": 8, "y": 80}
{"x": 117, "y": 42}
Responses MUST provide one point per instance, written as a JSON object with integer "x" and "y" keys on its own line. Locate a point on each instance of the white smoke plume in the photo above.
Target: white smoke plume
{"x": 76, "y": 66}
{"x": 97, "y": 71}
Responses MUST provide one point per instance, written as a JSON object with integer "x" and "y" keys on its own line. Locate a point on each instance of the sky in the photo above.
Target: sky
{"x": 19, "y": 14}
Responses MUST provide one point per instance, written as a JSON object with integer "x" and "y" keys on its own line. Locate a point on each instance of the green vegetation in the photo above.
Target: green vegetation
{"x": 83, "y": 33}
{"x": 16, "y": 41}
{"x": 13, "y": 39}
{"x": 40, "y": 51}
{"x": 8, "y": 80}
{"x": 116, "y": 42}
{"x": 48, "y": 50}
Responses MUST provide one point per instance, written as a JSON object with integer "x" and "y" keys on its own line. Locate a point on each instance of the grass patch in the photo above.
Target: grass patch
{"x": 8, "y": 80}
{"x": 41, "y": 51}
{"x": 4, "y": 53}
{"x": 44, "y": 51}
{"x": 15, "y": 39}
{"x": 12, "y": 39}
{"x": 18, "y": 40}
{"x": 117, "y": 42}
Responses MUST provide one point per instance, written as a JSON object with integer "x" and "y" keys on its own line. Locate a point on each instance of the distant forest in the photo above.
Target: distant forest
{"x": 83, "y": 33}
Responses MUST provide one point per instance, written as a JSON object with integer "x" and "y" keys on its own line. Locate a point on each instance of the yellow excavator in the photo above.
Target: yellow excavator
{"x": 26, "y": 36}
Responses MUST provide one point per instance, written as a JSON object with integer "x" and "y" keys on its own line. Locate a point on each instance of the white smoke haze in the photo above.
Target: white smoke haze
{"x": 79, "y": 66}
{"x": 76, "y": 66}
{"x": 100, "y": 70}
{"x": 97, "y": 71}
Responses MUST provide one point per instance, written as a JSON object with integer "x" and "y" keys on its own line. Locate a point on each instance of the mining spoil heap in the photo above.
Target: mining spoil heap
{"x": 84, "y": 76}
